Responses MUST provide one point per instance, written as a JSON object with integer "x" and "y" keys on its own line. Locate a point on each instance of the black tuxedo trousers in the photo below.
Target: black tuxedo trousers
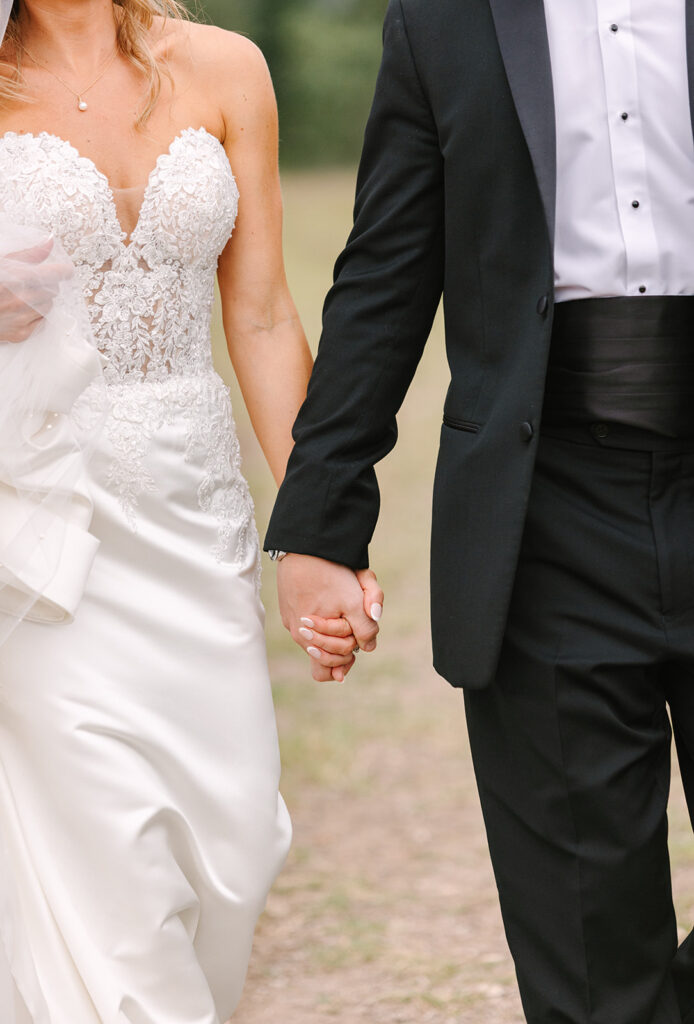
{"x": 571, "y": 743}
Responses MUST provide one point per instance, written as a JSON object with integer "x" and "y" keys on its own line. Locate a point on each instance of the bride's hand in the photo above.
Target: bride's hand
{"x": 28, "y": 287}
{"x": 331, "y": 645}
{"x": 335, "y": 636}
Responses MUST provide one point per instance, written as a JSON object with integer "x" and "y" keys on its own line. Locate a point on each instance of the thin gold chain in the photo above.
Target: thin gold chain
{"x": 78, "y": 95}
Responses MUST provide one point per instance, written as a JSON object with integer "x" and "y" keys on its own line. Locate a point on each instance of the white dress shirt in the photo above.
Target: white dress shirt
{"x": 625, "y": 150}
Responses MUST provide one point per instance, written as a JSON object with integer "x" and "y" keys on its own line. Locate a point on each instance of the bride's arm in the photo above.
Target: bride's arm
{"x": 266, "y": 341}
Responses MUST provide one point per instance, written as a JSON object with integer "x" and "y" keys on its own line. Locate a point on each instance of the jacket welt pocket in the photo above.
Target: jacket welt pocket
{"x": 457, "y": 424}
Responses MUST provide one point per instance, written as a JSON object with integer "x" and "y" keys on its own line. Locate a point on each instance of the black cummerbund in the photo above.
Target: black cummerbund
{"x": 623, "y": 361}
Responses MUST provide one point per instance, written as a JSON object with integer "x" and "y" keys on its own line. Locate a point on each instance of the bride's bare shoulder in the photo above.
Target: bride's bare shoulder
{"x": 214, "y": 50}
{"x": 228, "y": 70}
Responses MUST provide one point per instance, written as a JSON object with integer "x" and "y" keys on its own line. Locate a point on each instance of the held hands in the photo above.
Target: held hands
{"x": 329, "y": 611}
{"x": 28, "y": 287}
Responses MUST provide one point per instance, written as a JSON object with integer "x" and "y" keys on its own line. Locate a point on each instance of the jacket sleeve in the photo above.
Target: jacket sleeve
{"x": 376, "y": 321}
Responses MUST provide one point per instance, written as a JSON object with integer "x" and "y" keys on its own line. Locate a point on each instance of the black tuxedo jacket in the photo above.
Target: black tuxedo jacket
{"x": 456, "y": 194}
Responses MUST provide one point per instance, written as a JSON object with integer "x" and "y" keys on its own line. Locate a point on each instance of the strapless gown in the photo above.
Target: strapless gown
{"x": 140, "y": 820}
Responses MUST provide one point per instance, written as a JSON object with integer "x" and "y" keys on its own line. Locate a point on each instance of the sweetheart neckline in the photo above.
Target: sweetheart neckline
{"x": 189, "y": 130}
{"x": 148, "y": 184}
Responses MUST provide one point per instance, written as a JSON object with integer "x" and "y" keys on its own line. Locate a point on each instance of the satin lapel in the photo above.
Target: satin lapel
{"x": 522, "y": 33}
{"x": 690, "y": 55}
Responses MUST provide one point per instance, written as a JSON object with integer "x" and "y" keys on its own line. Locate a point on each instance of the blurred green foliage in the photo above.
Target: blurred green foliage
{"x": 324, "y": 56}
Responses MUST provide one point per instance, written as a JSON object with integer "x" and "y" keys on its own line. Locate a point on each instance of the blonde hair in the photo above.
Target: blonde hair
{"x": 133, "y": 25}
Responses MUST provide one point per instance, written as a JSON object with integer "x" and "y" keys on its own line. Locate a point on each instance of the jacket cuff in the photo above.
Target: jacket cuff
{"x": 320, "y": 546}
{"x": 314, "y": 516}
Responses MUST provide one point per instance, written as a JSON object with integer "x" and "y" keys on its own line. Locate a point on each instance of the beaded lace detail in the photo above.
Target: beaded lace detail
{"x": 150, "y": 302}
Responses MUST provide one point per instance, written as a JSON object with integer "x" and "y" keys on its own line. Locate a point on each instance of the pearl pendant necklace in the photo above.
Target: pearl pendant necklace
{"x": 82, "y": 104}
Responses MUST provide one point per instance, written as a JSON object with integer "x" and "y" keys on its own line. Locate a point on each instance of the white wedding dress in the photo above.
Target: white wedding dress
{"x": 140, "y": 821}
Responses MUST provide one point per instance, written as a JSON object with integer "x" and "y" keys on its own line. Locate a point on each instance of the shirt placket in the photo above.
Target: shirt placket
{"x": 634, "y": 205}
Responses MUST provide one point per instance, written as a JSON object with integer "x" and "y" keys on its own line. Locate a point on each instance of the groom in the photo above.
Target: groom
{"x": 534, "y": 162}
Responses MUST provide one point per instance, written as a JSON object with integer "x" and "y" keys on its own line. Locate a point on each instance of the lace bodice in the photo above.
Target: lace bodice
{"x": 149, "y": 299}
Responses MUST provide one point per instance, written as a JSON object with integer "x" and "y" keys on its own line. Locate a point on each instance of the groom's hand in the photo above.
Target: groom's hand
{"x": 329, "y": 610}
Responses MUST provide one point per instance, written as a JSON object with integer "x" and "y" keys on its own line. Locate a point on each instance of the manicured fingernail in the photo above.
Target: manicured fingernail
{"x": 371, "y": 646}
{"x": 309, "y": 622}
{"x": 313, "y": 651}
{"x": 376, "y": 612}
{"x": 307, "y": 634}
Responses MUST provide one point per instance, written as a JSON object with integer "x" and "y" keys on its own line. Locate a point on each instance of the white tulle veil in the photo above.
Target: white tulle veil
{"x": 46, "y": 549}
{"x": 5, "y": 11}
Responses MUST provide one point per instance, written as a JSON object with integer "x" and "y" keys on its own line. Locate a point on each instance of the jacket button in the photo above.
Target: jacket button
{"x": 527, "y": 431}
{"x": 543, "y": 305}
{"x": 600, "y": 431}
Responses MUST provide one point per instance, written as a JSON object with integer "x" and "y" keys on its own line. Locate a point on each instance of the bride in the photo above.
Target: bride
{"x": 140, "y": 821}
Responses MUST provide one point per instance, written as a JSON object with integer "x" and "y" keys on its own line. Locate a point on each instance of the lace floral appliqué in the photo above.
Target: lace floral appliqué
{"x": 150, "y": 303}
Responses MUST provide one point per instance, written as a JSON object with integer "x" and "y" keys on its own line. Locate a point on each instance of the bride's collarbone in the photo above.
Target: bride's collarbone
{"x": 109, "y": 135}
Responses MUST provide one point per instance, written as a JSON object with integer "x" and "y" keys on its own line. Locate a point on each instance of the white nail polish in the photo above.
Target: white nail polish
{"x": 376, "y": 611}
{"x": 307, "y": 634}
{"x": 308, "y": 622}
{"x": 313, "y": 651}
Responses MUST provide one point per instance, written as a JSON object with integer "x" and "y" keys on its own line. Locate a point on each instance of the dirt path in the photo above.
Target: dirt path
{"x": 387, "y": 910}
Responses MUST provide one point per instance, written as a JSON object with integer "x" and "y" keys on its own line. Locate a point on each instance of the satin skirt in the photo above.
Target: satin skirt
{"x": 140, "y": 816}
